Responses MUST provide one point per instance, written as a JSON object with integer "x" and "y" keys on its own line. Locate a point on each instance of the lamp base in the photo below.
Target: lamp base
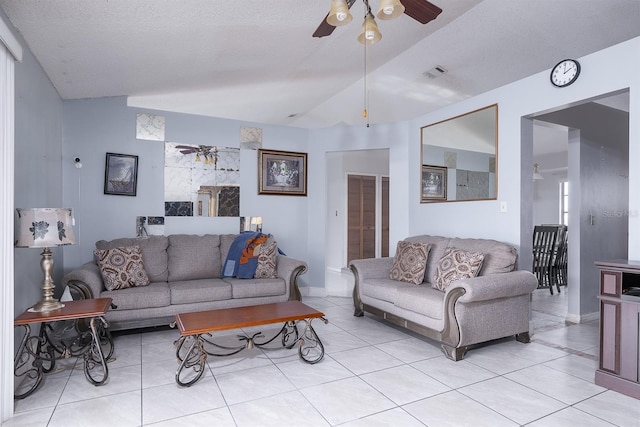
{"x": 45, "y": 306}
{"x": 48, "y": 302}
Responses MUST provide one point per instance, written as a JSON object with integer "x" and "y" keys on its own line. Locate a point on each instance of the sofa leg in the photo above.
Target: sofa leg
{"x": 358, "y": 311}
{"x": 523, "y": 337}
{"x": 454, "y": 353}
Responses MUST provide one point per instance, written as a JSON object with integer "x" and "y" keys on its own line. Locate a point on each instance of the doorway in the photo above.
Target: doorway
{"x": 373, "y": 165}
{"x": 595, "y": 163}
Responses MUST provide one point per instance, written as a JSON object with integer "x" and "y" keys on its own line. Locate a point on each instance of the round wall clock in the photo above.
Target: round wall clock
{"x": 565, "y": 72}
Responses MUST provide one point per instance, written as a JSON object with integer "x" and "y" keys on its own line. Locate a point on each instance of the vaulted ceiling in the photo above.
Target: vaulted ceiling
{"x": 255, "y": 60}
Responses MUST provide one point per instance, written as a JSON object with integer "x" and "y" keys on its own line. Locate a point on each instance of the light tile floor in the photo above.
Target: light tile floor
{"x": 373, "y": 374}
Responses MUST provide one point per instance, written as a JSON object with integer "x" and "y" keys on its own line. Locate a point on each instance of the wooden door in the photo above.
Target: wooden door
{"x": 363, "y": 232}
{"x": 384, "y": 217}
{"x": 361, "y": 217}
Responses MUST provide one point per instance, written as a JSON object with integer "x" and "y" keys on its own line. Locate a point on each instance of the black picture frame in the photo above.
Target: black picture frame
{"x": 282, "y": 173}
{"x": 121, "y": 174}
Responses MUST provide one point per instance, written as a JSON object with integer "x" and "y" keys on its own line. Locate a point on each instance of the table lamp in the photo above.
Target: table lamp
{"x": 257, "y": 221}
{"x": 45, "y": 228}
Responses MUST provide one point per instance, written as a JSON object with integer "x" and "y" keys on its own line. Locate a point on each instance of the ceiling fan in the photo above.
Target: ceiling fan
{"x": 209, "y": 153}
{"x": 420, "y": 10}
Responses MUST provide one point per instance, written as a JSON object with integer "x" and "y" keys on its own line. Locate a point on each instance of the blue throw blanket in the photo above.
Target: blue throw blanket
{"x": 232, "y": 266}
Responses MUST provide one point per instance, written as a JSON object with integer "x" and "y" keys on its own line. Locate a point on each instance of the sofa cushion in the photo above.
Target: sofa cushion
{"x": 194, "y": 257}
{"x": 421, "y": 299}
{"x": 499, "y": 257}
{"x": 268, "y": 252}
{"x": 382, "y": 289}
{"x": 201, "y": 290}
{"x": 226, "y": 240}
{"x": 253, "y": 288}
{"x": 155, "y": 295}
{"x": 410, "y": 262}
{"x": 456, "y": 264}
{"x": 437, "y": 245}
{"x": 154, "y": 254}
{"x": 122, "y": 267}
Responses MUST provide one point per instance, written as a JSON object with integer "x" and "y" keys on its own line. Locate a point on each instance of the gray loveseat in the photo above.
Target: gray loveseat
{"x": 185, "y": 275}
{"x": 492, "y": 305}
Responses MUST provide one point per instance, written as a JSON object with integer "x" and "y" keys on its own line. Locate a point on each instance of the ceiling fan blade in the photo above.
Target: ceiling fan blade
{"x": 325, "y": 29}
{"x": 421, "y": 10}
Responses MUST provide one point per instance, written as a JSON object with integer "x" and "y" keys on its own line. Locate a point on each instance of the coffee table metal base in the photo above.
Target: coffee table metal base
{"x": 192, "y": 350}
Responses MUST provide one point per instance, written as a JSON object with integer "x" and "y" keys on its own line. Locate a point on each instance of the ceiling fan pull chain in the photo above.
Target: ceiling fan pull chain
{"x": 365, "y": 97}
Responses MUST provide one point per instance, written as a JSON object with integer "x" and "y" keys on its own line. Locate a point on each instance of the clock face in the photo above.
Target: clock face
{"x": 565, "y": 72}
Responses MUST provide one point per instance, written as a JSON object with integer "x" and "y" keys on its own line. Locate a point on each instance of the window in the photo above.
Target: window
{"x": 564, "y": 202}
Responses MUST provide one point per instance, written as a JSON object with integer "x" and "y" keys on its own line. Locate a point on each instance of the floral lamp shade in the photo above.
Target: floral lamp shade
{"x": 44, "y": 228}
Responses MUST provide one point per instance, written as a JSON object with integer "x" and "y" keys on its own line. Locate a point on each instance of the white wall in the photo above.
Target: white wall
{"x": 520, "y": 99}
{"x": 546, "y": 192}
{"x": 339, "y": 164}
{"x": 340, "y": 139}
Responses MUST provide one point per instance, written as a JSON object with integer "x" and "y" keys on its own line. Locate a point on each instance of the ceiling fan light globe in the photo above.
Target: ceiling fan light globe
{"x": 369, "y": 33}
{"x": 339, "y": 13}
{"x": 390, "y": 9}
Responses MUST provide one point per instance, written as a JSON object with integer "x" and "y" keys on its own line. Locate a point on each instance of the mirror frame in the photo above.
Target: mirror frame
{"x": 436, "y": 197}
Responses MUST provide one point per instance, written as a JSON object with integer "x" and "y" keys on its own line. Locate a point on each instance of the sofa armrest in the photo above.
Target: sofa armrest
{"x": 372, "y": 268}
{"x": 289, "y": 269}
{"x": 364, "y": 269}
{"x": 493, "y": 286}
{"x": 87, "y": 274}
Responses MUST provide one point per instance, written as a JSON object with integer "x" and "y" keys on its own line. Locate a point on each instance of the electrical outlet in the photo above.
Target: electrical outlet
{"x": 503, "y": 207}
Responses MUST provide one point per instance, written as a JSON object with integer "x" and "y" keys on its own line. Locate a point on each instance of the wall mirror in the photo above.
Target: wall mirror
{"x": 459, "y": 158}
{"x": 201, "y": 180}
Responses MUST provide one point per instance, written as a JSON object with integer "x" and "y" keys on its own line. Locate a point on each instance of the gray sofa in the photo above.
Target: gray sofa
{"x": 184, "y": 271}
{"x": 492, "y": 305}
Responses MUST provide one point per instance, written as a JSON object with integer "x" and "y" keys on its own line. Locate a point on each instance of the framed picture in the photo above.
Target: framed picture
{"x": 434, "y": 183}
{"x": 121, "y": 174}
{"x": 282, "y": 172}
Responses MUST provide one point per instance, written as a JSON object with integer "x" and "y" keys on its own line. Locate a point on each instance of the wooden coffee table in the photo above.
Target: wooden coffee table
{"x": 196, "y": 328}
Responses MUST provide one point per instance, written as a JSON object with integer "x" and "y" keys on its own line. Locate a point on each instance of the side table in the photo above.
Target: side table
{"x": 49, "y": 345}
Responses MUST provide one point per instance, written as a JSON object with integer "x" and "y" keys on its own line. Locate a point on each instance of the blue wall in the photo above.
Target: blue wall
{"x": 38, "y": 171}
{"x": 94, "y": 127}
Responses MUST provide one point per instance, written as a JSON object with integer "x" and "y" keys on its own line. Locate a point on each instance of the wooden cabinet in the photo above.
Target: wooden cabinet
{"x": 619, "y": 326}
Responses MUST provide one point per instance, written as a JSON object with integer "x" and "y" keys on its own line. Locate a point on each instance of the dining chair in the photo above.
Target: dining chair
{"x": 544, "y": 247}
{"x": 559, "y": 262}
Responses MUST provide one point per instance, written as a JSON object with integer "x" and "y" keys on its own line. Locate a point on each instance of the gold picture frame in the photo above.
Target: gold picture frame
{"x": 282, "y": 173}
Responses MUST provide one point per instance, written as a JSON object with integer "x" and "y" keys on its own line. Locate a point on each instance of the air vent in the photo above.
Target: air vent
{"x": 436, "y": 71}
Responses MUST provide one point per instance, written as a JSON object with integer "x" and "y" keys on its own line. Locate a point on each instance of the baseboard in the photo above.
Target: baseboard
{"x": 312, "y": 291}
{"x": 576, "y": 318}
{"x": 344, "y": 293}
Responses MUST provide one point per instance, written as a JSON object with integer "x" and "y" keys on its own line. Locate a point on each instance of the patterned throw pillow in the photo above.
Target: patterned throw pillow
{"x": 410, "y": 262}
{"x": 456, "y": 264}
{"x": 266, "y": 268}
{"x": 122, "y": 267}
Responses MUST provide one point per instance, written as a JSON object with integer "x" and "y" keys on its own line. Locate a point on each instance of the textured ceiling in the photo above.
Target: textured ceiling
{"x": 255, "y": 60}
